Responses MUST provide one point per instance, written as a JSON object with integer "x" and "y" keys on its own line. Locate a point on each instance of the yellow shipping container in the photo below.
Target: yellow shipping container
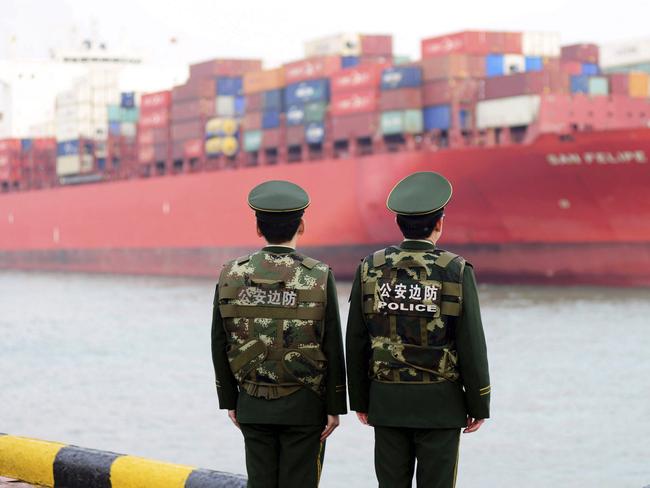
{"x": 639, "y": 84}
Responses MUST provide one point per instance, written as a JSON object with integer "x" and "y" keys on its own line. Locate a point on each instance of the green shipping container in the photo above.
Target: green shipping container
{"x": 252, "y": 140}
{"x": 130, "y": 114}
{"x": 315, "y": 112}
{"x": 401, "y": 122}
{"x": 114, "y": 113}
{"x": 598, "y": 85}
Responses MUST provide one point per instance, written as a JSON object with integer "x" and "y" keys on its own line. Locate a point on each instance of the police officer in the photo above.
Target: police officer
{"x": 416, "y": 353}
{"x": 277, "y": 346}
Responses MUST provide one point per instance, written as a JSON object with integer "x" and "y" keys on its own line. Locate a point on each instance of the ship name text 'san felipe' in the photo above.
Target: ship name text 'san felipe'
{"x": 597, "y": 157}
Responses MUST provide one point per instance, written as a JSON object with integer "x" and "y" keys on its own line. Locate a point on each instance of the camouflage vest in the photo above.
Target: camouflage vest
{"x": 273, "y": 306}
{"x": 411, "y": 299}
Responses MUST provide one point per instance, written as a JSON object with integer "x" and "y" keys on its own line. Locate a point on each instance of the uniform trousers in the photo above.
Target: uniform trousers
{"x": 283, "y": 456}
{"x": 398, "y": 448}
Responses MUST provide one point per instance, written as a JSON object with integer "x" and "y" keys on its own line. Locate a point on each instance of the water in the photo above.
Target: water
{"x": 123, "y": 364}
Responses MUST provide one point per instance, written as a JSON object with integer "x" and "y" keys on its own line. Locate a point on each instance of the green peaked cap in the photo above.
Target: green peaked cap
{"x": 420, "y": 194}
{"x": 278, "y": 196}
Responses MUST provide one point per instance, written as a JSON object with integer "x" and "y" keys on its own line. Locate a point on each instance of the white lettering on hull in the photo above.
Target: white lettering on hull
{"x": 597, "y": 158}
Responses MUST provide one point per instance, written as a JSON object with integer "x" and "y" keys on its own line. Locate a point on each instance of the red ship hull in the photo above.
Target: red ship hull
{"x": 554, "y": 211}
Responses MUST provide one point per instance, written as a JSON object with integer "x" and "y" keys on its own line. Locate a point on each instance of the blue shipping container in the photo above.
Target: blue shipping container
{"x": 349, "y": 61}
{"x": 114, "y": 128}
{"x": 272, "y": 100}
{"x": 589, "y": 69}
{"x": 127, "y": 100}
{"x": 240, "y": 106}
{"x": 229, "y": 86}
{"x": 401, "y": 77}
{"x": 494, "y": 65}
{"x": 580, "y": 84}
{"x": 315, "y": 133}
{"x": 271, "y": 119}
{"x": 295, "y": 115}
{"x": 25, "y": 145}
{"x": 534, "y": 63}
{"x": 307, "y": 91}
{"x": 67, "y": 148}
{"x": 437, "y": 117}
{"x": 465, "y": 119}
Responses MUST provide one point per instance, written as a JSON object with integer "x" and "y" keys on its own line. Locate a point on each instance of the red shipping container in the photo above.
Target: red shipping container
{"x": 532, "y": 83}
{"x": 145, "y": 137}
{"x": 193, "y": 148}
{"x": 176, "y": 150}
{"x": 224, "y": 67}
{"x": 453, "y": 66}
{"x": 154, "y": 101}
{"x": 191, "y": 109}
{"x": 472, "y": 42}
{"x": 355, "y": 126}
{"x": 161, "y": 151}
{"x": 193, "y": 89}
{"x": 360, "y": 77}
{"x": 154, "y": 118}
{"x": 401, "y": 99}
{"x": 375, "y": 59}
{"x": 583, "y": 53}
{"x": 619, "y": 84}
{"x": 311, "y": 69}
{"x": 252, "y": 121}
{"x": 274, "y": 137}
{"x": 376, "y": 45}
{"x": 184, "y": 131}
{"x": 442, "y": 92}
{"x": 295, "y": 135}
{"x": 354, "y": 102}
{"x": 44, "y": 144}
{"x": 161, "y": 134}
{"x": 9, "y": 145}
{"x": 254, "y": 102}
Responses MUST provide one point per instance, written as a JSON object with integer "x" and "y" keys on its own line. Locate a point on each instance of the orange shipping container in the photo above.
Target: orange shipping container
{"x": 639, "y": 84}
{"x": 453, "y": 66}
{"x": 260, "y": 81}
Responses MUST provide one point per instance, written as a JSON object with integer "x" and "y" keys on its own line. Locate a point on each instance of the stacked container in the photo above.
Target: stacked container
{"x": 10, "y": 162}
{"x": 121, "y": 145}
{"x": 154, "y": 141}
{"x": 306, "y": 103}
{"x": 264, "y": 108}
{"x": 38, "y": 162}
{"x": 400, "y": 101}
{"x": 354, "y": 49}
{"x": 354, "y": 107}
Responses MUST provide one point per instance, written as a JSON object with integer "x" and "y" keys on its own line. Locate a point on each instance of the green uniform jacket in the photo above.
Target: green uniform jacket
{"x": 436, "y": 405}
{"x": 303, "y": 407}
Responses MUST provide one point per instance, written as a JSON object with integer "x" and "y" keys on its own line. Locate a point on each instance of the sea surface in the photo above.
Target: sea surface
{"x": 123, "y": 364}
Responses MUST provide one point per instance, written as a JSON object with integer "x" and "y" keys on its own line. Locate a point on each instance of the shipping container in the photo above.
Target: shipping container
{"x": 494, "y": 65}
{"x": 224, "y": 67}
{"x": 583, "y": 53}
{"x": 359, "y": 101}
{"x": 273, "y": 100}
{"x": 183, "y": 131}
{"x": 306, "y": 91}
{"x": 315, "y": 112}
{"x": 261, "y": 81}
{"x": 193, "y": 148}
{"x": 225, "y": 106}
{"x": 127, "y": 99}
{"x": 376, "y": 45}
{"x": 580, "y": 84}
{"x": 270, "y": 119}
{"x": 311, "y": 69}
{"x": 437, "y": 117}
{"x": 252, "y": 120}
{"x": 315, "y": 133}
{"x": 401, "y": 122}
{"x": 536, "y": 82}
{"x": 155, "y": 101}
{"x": 534, "y": 63}
{"x": 295, "y": 115}
{"x": 472, "y": 42}
{"x": 360, "y": 77}
{"x": 338, "y": 45}
{"x": 155, "y": 118}
{"x": 453, "y": 66}
{"x": 252, "y": 140}
{"x": 295, "y": 135}
{"x": 401, "y": 77}
{"x": 254, "y": 102}
{"x": 228, "y": 86}
{"x": 625, "y": 54}
{"x": 400, "y": 99}
{"x": 638, "y": 85}
{"x": 513, "y": 63}
{"x": 589, "y": 69}
{"x": 454, "y": 90}
{"x": 350, "y": 61}
{"x": 240, "y": 106}
{"x": 193, "y": 89}
{"x": 193, "y": 109}
{"x": 598, "y": 85}
{"x": 273, "y": 138}
{"x": 355, "y": 125}
{"x": 543, "y": 44}
{"x": 507, "y": 112}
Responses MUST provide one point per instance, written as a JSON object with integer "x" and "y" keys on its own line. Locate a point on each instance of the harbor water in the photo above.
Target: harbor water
{"x": 123, "y": 364}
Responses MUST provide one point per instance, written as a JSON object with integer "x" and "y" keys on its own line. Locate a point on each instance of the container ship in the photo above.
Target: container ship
{"x": 547, "y": 147}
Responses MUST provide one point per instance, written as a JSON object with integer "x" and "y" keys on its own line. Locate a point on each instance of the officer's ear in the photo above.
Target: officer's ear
{"x": 259, "y": 232}
{"x": 301, "y": 228}
{"x": 438, "y": 227}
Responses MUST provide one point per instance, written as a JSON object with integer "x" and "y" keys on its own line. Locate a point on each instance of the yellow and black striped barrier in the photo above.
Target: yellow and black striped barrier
{"x": 58, "y": 465}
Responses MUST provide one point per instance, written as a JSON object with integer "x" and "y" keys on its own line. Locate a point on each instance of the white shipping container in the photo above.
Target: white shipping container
{"x": 514, "y": 63}
{"x": 546, "y": 44}
{"x": 68, "y": 165}
{"x": 338, "y": 45}
{"x": 225, "y": 106}
{"x": 128, "y": 129}
{"x": 625, "y": 53}
{"x": 507, "y": 112}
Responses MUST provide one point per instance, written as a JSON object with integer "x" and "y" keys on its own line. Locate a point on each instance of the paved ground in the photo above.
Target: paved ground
{"x": 11, "y": 483}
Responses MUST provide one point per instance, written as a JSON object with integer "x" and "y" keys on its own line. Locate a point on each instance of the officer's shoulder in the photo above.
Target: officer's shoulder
{"x": 378, "y": 257}
{"x": 446, "y": 259}
{"x": 312, "y": 263}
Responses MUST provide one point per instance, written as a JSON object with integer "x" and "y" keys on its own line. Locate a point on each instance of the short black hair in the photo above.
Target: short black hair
{"x": 278, "y": 227}
{"x": 418, "y": 226}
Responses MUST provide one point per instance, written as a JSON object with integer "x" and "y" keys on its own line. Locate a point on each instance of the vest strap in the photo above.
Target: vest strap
{"x": 369, "y": 287}
{"x": 242, "y": 260}
{"x": 379, "y": 258}
{"x": 445, "y": 258}
{"x": 318, "y": 296}
{"x": 308, "y": 262}
{"x": 450, "y": 308}
{"x": 248, "y": 311}
{"x": 451, "y": 288}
